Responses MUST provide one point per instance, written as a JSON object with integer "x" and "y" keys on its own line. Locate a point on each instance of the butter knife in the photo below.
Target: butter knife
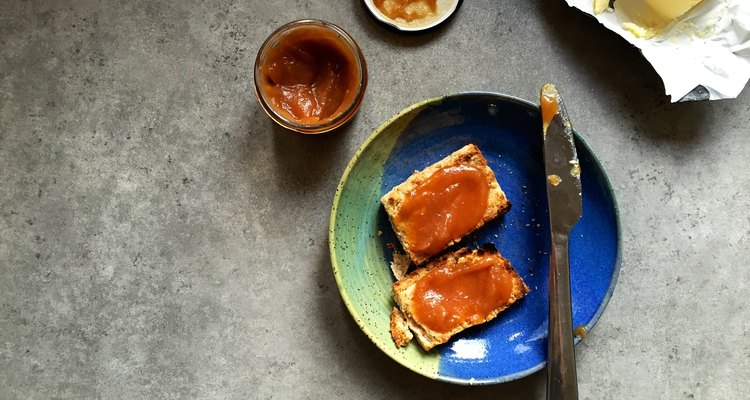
{"x": 564, "y": 201}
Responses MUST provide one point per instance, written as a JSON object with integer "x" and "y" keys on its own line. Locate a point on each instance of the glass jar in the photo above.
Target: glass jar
{"x": 310, "y": 76}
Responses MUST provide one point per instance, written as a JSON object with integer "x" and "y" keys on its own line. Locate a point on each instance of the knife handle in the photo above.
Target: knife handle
{"x": 561, "y": 372}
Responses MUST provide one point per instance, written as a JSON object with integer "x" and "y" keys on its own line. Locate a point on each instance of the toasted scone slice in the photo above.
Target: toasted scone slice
{"x": 454, "y": 292}
{"x": 436, "y": 207}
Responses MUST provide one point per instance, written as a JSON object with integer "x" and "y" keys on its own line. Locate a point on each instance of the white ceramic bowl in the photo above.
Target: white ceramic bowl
{"x": 445, "y": 8}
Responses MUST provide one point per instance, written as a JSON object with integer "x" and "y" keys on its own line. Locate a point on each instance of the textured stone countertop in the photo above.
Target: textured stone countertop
{"x": 161, "y": 238}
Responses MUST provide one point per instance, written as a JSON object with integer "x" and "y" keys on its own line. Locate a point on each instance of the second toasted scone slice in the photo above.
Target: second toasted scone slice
{"x": 453, "y": 292}
{"x": 436, "y": 207}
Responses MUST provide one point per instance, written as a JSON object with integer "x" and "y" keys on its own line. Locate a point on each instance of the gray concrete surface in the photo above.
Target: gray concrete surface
{"x": 160, "y": 238}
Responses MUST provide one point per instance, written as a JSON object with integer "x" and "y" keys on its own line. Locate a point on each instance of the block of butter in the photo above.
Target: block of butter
{"x": 648, "y": 18}
{"x": 699, "y": 48}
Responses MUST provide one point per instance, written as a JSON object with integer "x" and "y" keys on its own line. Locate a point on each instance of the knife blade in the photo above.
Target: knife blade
{"x": 565, "y": 208}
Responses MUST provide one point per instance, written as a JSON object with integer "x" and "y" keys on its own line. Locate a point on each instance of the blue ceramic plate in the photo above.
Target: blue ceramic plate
{"x": 508, "y": 132}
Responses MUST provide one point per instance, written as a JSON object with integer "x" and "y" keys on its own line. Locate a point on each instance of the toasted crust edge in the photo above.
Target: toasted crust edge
{"x": 400, "y": 328}
{"x": 497, "y": 202}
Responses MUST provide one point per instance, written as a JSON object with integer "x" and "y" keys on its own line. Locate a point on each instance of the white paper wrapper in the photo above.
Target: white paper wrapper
{"x": 709, "y": 47}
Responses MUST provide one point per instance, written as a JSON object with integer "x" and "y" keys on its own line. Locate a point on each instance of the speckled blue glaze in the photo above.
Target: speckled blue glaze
{"x": 508, "y": 132}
